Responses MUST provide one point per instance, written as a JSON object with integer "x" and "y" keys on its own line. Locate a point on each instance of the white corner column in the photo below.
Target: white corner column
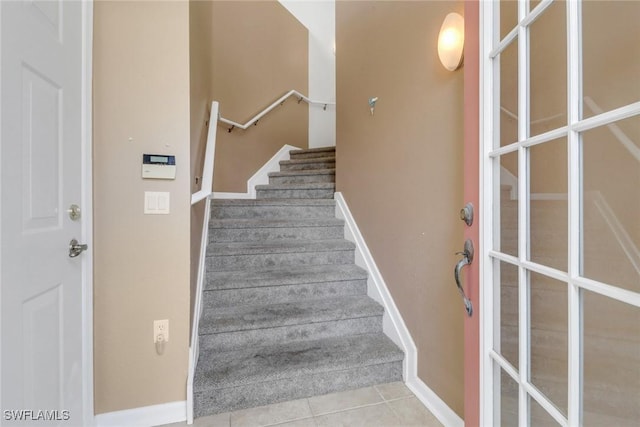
{"x": 319, "y": 16}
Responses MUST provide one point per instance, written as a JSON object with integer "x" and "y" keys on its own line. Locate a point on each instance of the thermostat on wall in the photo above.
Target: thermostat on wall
{"x": 158, "y": 166}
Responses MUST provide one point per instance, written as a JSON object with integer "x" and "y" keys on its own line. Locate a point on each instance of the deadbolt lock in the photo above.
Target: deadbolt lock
{"x": 74, "y": 212}
{"x": 466, "y": 214}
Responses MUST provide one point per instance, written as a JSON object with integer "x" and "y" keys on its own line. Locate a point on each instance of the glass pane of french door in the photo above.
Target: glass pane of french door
{"x": 562, "y": 151}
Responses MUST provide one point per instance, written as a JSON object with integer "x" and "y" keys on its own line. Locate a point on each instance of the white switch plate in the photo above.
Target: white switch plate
{"x": 156, "y": 203}
{"x": 161, "y": 328}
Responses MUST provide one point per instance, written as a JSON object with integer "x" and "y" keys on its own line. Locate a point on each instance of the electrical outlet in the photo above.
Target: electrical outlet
{"x": 161, "y": 330}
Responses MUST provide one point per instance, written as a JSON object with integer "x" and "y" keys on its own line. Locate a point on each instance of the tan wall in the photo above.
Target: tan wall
{"x": 141, "y": 90}
{"x": 401, "y": 169}
{"x": 200, "y": 52}
{"x": 200, "y": 60}
{"x": 260, "y": 52}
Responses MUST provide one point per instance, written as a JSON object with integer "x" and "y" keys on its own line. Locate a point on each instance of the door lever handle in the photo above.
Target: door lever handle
{"x": 467, "y": 258}
{"x": 76, "y": 248}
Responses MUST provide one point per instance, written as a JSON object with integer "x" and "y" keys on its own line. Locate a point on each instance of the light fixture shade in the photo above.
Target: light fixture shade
{"x": 451, "y": 41}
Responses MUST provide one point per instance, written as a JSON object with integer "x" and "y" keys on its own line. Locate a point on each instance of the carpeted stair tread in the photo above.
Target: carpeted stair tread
{"x": 303, "y": 172}
{"x": 302, "y": 161}
{"x": 274, "y": 223}
{"x": 250, "y": 317}
{"x": 301, "y": 186}
{"x": 292, "y": 360}
{"x": 273, "y": 202}
{"x": 282, "y": 276}
{"x": 330, "y": 149}
{"x": 278, "y": 246}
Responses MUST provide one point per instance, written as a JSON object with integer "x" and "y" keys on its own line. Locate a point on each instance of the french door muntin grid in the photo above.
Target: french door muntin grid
{"x": 491, "y": 47}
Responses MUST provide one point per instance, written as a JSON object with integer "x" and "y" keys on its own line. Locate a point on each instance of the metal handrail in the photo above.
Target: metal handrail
{"x": 207, "y": 171}
{"x": 274, "y": 105}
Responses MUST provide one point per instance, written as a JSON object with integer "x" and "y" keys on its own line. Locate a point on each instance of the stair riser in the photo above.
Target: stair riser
{"x": 254, "y": 234}
{"x": 229, "y": 341}
{"x": 297, "y": 156}
{"x": 241, "y": 262}
{"x": 302, "y": 179}
{"x": 282, "y": 294}
{"x": 233, "y": 398}
{"x": 307, "y": 166}
{"x": 324, "y": 193}
{"x": 272, "y": 212}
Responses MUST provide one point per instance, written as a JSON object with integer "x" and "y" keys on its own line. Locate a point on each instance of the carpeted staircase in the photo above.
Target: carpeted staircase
{"x": 286, "y": 313}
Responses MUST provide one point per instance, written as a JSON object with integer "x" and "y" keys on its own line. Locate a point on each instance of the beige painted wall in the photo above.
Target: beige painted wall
{"x": 401, "y": 169}
{"x": 200, "y": 52}
{"x": 260, "y": 52}
{"x": 200, "y": 71}
{"x": 141, "y": 91}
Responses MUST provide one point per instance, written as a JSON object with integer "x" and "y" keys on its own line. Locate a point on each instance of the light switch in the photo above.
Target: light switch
{"x": 156, "y": 203}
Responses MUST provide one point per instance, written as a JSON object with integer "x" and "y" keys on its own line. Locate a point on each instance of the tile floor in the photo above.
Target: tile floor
{"x": 391, "y": 405}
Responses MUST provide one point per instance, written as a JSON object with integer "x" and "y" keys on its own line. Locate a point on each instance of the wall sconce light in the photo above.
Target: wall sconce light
{"x": 451, "y": 41}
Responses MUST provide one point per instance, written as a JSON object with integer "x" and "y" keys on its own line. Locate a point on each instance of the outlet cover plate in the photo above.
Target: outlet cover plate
{"x": 161, "y": 327}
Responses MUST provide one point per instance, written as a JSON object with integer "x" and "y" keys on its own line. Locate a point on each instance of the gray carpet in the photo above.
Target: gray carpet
{"x": 285, "y": 310}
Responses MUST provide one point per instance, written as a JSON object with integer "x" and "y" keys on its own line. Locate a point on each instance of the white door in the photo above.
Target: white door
{"x": 43, "y": 174}
{"x": 561, "y": 235}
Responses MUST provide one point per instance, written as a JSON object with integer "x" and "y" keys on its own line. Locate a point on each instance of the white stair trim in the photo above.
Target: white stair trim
{"x": 261, "y": 177}
{"x": 146, "y": 416}
{"x": 392, "y": 324}
{"x": 434, "y": 403}
{"x": 194, "y": 349}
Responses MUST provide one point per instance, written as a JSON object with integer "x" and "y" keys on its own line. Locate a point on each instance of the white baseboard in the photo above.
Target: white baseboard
{"x": 434, "y": 404}
{"x": 261, "y": 177}
{"x": 147, "y": 416}
{"x": 392, "y": 323}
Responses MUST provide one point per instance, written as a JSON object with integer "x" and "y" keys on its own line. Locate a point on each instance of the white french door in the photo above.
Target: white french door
{"x": 560, "y": 171}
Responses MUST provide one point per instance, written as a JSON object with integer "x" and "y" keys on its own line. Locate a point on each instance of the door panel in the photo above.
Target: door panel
{"x": 41, "y": 147}
{"x": 611, "y": 362}
{"x": 508, "y": 296}
{"x": 611, "y": 64}
{"x": 549, "y": 338}
{"x": 611, "y": 202}
{"x": 508, "y": 107}
{"x": 548, "y": 79}
{"x": 548, "y": 209}
{"x": 43, "y": 327}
